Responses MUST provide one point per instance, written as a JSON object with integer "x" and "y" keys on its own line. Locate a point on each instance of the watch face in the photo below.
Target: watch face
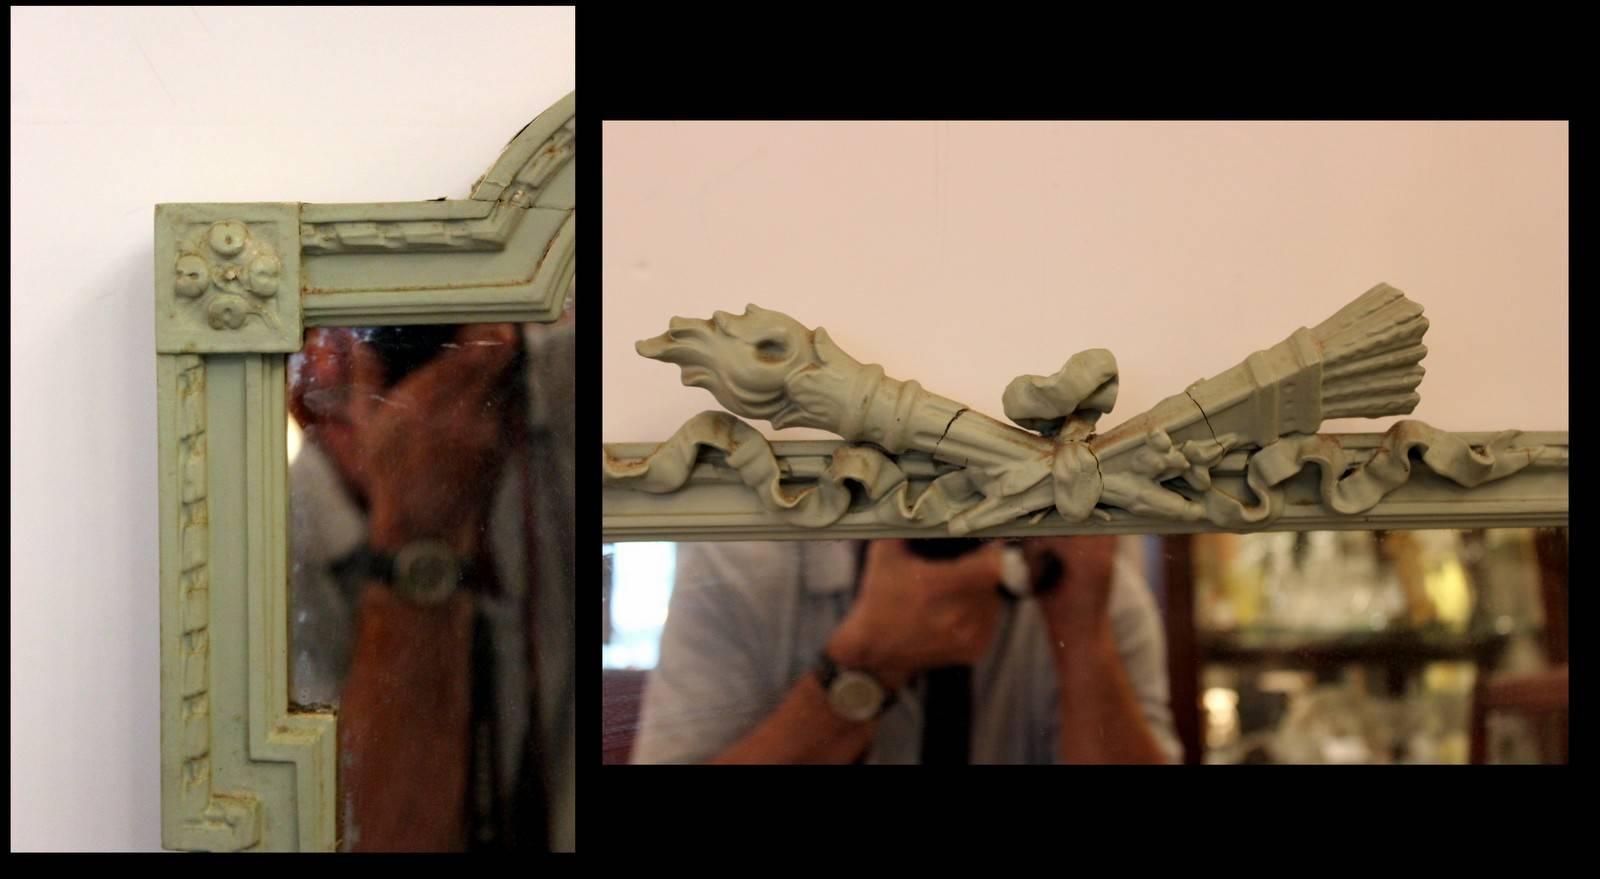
{"x": 856, "y": 696}
{"x": 426, "y": 573}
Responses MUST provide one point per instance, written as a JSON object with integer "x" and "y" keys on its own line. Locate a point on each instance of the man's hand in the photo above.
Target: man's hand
{"x": 1101, "y": 720}
{"x": 1078, "y": 604}
{"x": 430, "y": 447}
{"x": 915, "y": 614}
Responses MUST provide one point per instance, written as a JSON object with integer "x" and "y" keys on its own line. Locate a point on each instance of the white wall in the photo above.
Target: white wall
{"x": 961, "y": 255}
{"x": 112, "y": 111}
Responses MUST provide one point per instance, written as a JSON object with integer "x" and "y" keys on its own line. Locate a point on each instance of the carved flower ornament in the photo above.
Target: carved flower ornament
{"x": 229, "y": 272}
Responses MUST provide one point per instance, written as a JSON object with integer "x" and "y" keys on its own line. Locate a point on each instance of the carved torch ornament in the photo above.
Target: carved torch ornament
{"x": 1364, "y": 361}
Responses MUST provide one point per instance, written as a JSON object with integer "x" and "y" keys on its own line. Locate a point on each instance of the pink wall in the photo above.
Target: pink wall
{"x": 962, "y": 255}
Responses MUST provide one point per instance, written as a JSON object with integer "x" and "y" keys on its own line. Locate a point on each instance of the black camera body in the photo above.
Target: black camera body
{"x": 1044, "y": 580}
{"x": 405, "y": 349}
{"x": 944, "y": 548}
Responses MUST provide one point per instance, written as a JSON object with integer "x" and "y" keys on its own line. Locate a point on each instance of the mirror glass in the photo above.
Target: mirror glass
{"x": 431, "y": 593}
{"x": 1313, "y": 647}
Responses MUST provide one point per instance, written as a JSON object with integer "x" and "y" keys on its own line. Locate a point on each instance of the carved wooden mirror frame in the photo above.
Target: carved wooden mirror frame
{"x": 1237, "y": 452}
{"x": 236, "y": 285}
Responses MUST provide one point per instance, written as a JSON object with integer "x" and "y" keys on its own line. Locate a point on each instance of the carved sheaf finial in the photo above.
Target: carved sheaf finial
{"x": 1364, "y": 361}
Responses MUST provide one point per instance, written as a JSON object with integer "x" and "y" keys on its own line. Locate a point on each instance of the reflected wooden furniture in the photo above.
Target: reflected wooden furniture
{"x": 621, "y": 696}
{"x": 1551, "y": 546}
{"x": 1539, "y": 696}
{"x": 1183, "y": 648}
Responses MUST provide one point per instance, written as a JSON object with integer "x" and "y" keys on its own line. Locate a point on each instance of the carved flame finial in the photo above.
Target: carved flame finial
{"x": 747, "y": 361}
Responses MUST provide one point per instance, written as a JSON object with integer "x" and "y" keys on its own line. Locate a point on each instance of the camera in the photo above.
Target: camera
{"x": 1016, "y": 579}
{"x": 944, "y": 548}
{"x": 406, "y": 349}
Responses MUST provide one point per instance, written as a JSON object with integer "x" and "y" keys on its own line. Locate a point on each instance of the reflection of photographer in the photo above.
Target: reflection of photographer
{"x": 817, "y": 653}
{"x": 418, "y": 585}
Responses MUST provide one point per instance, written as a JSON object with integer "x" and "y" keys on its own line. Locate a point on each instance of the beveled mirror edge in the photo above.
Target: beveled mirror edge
{"x": 238, "y": 770}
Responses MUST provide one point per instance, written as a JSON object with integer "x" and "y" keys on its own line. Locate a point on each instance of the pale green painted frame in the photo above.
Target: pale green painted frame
{"x": 238, "y": 770}
{"x": 717, "y": 505}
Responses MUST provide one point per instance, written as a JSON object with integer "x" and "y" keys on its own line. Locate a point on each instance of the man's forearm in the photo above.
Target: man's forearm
{"x": 1101, "y": 721}
{"x": 804, "y": 729}
{"x": 404, "y": 725}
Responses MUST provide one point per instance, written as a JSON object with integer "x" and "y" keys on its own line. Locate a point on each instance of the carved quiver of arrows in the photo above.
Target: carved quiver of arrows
{"x": 1364, "y": 361}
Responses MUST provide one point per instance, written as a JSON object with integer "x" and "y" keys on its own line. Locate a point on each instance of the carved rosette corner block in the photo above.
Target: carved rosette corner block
{"x": 227, "y": 278}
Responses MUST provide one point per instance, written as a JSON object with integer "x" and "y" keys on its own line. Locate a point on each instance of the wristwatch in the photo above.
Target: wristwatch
{"x": 426, "y": 572}
{"x": 852, "y": 694}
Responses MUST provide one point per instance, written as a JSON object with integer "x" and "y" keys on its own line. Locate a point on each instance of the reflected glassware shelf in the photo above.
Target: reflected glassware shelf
{"x": 1388, "y": 648}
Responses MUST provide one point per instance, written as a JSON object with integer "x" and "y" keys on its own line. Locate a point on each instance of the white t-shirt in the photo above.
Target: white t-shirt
{"x": 748, "y": 620}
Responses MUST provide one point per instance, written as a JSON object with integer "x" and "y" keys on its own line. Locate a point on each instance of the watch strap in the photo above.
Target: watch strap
{"x": 366, "y": 564}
